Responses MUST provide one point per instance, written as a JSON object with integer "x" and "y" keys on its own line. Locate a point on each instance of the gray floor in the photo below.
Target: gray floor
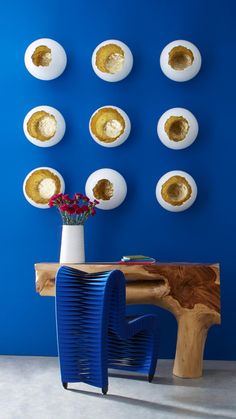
{"x": 30, "y": 389}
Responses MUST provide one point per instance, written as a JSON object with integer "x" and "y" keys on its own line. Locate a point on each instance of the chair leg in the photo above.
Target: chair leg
{"x": 65, "y": 385}
{"x": 104, "y": 390}
{"x": 150, "y": 377}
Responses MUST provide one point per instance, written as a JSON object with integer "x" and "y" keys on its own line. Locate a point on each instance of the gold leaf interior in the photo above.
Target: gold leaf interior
{"x": 110, "y": 58}
{"x": 180, "y": 58}
{"x": 42, "y": 125}
{"x": 176, "y": 127}
{"x": 176, "y": 190}
{"x": 34, "y": 185}
{"x": 100, "y": 121}
{"x": 103, "y": 190}
{"x": 42, "y": 56}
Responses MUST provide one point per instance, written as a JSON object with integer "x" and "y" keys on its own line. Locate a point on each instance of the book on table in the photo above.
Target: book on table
{"x": 137, "y": 259}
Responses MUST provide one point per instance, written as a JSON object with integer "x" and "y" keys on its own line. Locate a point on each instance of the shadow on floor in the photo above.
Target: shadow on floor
{"x": 158, "y": 407}
{"x": 205, "y": 381}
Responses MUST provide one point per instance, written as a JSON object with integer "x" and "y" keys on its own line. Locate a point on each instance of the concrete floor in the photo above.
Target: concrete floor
{"x": 30, "y": 389}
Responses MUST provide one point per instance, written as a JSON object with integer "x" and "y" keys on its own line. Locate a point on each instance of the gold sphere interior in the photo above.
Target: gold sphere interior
{"x": 37, "y": 182}
{"x": 103, "y": 190}
{"x": 176, "y": 190}
{"x": 180, "y": 58}
{"x": 42, "y": 56}
{"x": 107, "y": 125}
{"x": 110, "y": 58}
{"x": 176, "y": 127}
{"x": 42, "y": 125}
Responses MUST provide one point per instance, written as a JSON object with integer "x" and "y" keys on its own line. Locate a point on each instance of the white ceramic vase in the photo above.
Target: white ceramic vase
{"x": 72, "y": 244}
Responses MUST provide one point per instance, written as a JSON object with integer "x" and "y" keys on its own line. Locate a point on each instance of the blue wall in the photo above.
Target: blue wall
{"x": 205, "y": 233}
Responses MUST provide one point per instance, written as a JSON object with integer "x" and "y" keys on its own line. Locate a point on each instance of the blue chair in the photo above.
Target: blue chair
{"x": 92, "y": 332}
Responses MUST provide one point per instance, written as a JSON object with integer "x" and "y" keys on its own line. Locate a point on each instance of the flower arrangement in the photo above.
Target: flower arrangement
{"x": 73, "y": 211}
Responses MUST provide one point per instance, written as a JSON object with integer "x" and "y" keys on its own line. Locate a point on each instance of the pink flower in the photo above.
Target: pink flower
{"x": 79, "y": 211}
{"x": 66, "y": 197}
{"x": 77, "y": 196}
{"x": 55, "y": 200}
{"x": 84, "y": 208}
{"x": 85, "y": 198}
{"x": 93, "y": 212}
{"x": 64, "y": 207}
{"x": 67, "y": 208}
{"x": 58, "y": 196}
{"x": 70, "y": 210}
{"x": 51, "y": 203}
{"x": 76, "y": 208}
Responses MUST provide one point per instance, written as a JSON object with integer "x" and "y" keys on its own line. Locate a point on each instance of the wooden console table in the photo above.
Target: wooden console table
{"x": 191, "y": 292}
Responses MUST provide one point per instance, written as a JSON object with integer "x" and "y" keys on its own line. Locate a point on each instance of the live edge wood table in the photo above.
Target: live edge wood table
{"x": 191, "y": 292}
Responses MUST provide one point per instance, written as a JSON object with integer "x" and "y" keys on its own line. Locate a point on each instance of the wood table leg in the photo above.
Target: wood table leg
{"x": 192, "y": 333}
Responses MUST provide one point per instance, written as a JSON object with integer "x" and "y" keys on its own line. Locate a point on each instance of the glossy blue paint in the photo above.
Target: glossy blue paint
{"x": 204, "y": 233}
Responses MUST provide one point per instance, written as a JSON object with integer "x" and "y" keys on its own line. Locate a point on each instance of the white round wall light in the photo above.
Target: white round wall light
{"x": 109, "y": 126}
{"x": 180, "y": 60}
{"x": 44, "y": 126}
{"x": 45, "y": 59}
{"x": 107, "y": 186}
{"x": 177, "y": 128}
{"x": 112, "y": 60}
{"x": 41, "y": 184}
{"x": 176, "y": 191}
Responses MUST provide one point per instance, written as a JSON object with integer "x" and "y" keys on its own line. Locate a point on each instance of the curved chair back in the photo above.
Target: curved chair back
{"x": 91, "y": 328}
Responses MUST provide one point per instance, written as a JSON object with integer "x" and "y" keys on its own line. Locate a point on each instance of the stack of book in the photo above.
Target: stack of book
{"x": 137, "y": 259}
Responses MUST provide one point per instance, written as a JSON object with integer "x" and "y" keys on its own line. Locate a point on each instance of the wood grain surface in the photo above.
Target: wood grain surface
{"x": 191, "y": 292}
